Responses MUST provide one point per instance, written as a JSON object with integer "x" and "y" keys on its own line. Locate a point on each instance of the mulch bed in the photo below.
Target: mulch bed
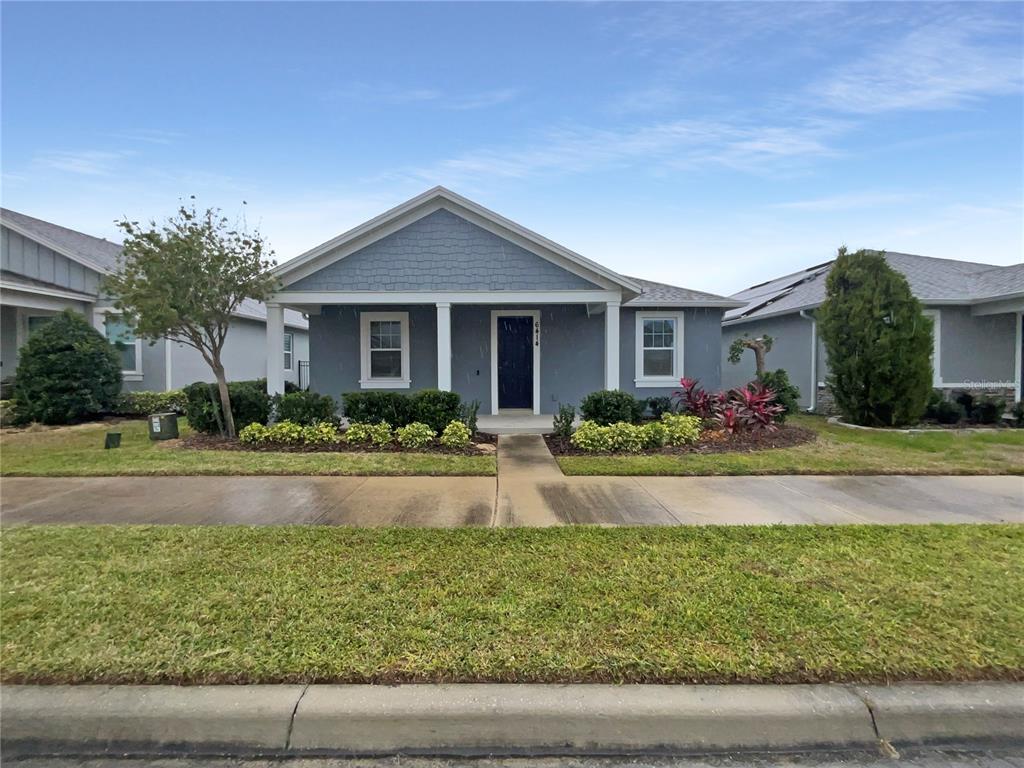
{"x": 204, "y": 442}
{"x": 710, "y": 442}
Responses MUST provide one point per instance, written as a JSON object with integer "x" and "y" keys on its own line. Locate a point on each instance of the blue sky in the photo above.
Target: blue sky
{"x": 707, "y": 145}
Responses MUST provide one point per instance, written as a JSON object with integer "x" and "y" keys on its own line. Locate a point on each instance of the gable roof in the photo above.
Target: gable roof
{"x": 439, "y": 197}
{"x": 93, "y": 252}
{"x": 932, "y": 280}
{"x": 101, "y": 256}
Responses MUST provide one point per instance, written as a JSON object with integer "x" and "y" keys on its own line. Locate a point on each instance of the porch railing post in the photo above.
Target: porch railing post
{"x": 611, "y": 345}
{"x": 444, "y": 346}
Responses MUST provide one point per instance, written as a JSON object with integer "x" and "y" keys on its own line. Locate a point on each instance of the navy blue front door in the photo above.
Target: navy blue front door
{"x": 515, "y": 362}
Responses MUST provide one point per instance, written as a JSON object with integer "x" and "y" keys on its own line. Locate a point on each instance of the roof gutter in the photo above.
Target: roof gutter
{"x": 814, "y": 358}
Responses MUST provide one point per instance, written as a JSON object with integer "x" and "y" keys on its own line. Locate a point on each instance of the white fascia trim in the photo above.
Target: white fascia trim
{"x": 724, "y": 304}
{"x": 55, "y": 247}
{"x": 766, "y": 315}
{"x": 936, "y": 316}
{"x": 99, "y": 315}
{"x": 495, "y": 314}
{"x": 651, "y": 382}
{"x": 55, "y": 292}
{"x": 299, "y": 298}
{"x": 431, "y": 201}
{"x": 365, "y": 380}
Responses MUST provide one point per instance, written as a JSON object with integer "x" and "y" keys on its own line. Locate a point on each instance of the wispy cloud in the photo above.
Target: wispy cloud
{"x": 945, "y": 63}
{"x": 671, "y": 144}
{"x": 149, "y": 136}
{"x": 391, "y": 95}
{"x": 850, "y": 201}
{"x": 84, "y": 162}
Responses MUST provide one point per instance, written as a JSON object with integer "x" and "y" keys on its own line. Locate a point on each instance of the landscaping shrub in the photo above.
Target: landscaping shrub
{"x": 988, "y": 410}
{"x": 284, "y": 432}
{"x": 659, "y": 405}
{"x": 752, "y": 407}
{"x": 681, "y": 429}
{"x": 653, "y": 434}
{"x": 6, "y": 413}
{"x": 374, "y": 407}
{"x": 563, "y": 420}
{"x": 144, "y": 403}
{"x": 592, "y": 437}
{"x": 321, "y": 433}
{"x": 456, "y": 435}
{"x": 67, "y": 372}
{"x": 379, "y": 434}
{"x": 469, "y": 412}
{"x": 415, "y": 435}
{"x": 879, "y": 342}
{"x": 610, "y": 406}
{"x": 254, "y": 434}
{"x": 250, "y": 403}
{"x": 966, "y": 401}
{"x": 942, "y": 410}
{"x": 625, "y": 437}
{"x": 786, "y": 393}
{"x": 1018, "y": 413}
{"x": 695, "y": 400}
{"x": 304, "y": 407}
{"x": 435, "y": 408}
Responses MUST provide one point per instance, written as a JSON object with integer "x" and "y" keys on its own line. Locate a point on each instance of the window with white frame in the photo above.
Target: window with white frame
{"x": 289, "y": 340}
{"x": 384, "y": 343}
{"x": 35, "y": 322}
{"x": 659, "y": 348}
{"x": 122, "y": 336}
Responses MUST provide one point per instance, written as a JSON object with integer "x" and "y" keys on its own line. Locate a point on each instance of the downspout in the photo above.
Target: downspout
{"x": 814, "y": 358}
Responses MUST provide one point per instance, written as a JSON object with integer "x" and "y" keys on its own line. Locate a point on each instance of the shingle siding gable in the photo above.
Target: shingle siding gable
{"x": 442, "y": 252}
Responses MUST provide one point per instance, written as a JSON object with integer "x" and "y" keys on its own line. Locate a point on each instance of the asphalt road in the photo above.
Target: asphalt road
{"x": 908, "y": 759}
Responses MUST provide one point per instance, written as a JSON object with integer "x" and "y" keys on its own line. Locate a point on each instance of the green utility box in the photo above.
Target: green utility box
{"x": 163, "y": 426}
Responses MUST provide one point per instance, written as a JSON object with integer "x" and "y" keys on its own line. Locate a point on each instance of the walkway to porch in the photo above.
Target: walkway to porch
{"x": 515, "y": 423}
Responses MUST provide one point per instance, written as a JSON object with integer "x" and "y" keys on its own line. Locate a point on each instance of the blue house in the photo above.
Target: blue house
{"x": 440, "y": 292}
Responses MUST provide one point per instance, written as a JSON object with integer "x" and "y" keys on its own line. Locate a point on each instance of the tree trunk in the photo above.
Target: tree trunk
{"x": 225, "y": 398}
{"x": 758, "y": 348}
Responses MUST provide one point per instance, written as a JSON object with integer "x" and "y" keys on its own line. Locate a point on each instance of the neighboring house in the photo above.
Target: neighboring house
{"x": 46, "y": 268}
{"x": 441, "y": 292}
{"x": 976, "y": 309}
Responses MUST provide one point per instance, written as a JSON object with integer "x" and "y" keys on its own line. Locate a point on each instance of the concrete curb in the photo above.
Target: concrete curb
{"x": 479, "y": 719}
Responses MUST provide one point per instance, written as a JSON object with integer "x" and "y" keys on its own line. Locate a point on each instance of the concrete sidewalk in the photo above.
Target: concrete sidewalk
{"x": 489, "y": 719}
{"x": 530, "y": 490}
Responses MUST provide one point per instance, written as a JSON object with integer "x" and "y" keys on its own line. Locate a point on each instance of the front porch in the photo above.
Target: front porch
{"x": 519, "y": 359}
{"x": 515, "y": 422}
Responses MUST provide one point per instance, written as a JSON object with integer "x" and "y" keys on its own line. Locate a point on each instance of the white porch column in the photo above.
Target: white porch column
{"x": 275, "y": 349}
{"x": 444, "y": 346}
{"x": 611, "y": 345}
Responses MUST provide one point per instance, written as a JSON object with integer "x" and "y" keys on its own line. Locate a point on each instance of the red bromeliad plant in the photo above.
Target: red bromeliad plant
{"x": 752, "y": 407}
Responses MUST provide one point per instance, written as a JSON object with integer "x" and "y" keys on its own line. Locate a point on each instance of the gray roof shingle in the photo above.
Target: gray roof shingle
{"x": 94, "y": 252}
{"x": 930, "y": 279}
{"x": 661, "y": 294}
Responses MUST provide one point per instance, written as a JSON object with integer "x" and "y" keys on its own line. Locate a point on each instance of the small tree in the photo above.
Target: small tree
{"x": 66, "y": 372}
{"x": 879, "y": 342}
{"x": 184, "y": 279}
{"x": 761, "y": 346}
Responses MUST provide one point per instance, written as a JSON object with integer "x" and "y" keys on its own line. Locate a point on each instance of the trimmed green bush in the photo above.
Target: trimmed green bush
{"x": 456, "y": 435}
{"x": 988, "y": 410}
{"x": 253, "y": 434}
{"x": 376, "y": 406}
{"x": 786, "y": 394}
{"x": 610, "y": 406}
{"x": 942, "y": 410}
{"x": 659, "y": 405}
{"x": 415, "y": 435}
{"x": 681, "y": 429}
{"x": 304, "y": 408}
{"x": 879, "y": 342}
{"x": 321, "y": 433}
{"x": 653, "y": 434}
{"x": 378, "y": 434}
{"x": 469, "y": 412}
{"x": 144, "y": 403}
{"x": 250, "y": 403}
{"x": 67, "y": 372}
{"x": 435, "y": 408}
{"x": 592, "y": 437}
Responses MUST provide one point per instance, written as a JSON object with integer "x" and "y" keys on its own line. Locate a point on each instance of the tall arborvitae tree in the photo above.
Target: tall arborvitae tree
{"x": 879, "y": 342}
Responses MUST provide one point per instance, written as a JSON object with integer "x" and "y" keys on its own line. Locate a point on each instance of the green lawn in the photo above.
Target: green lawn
{"x": 838, "y": 450}
{"x": 79, "y": 451}
{"x": 272, "y": 604}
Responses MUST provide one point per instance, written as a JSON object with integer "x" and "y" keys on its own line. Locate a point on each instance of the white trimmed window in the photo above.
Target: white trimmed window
{"x": 384, "y": 344}
{"x": 289, "y": 340}
{"x": 659, "y": 349}
{"x": 128, "y": 345}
